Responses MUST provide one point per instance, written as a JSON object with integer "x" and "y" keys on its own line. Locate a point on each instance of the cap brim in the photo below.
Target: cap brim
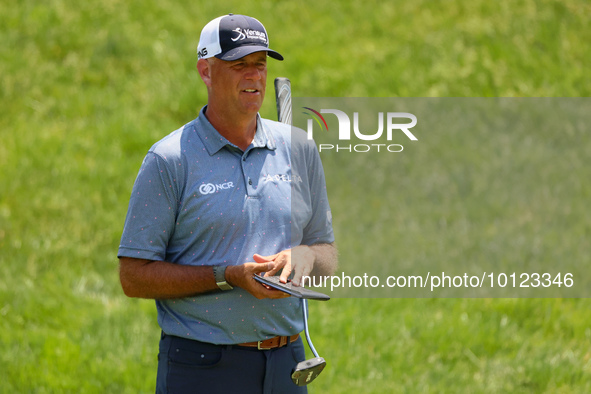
{"x": 240, "y": 52}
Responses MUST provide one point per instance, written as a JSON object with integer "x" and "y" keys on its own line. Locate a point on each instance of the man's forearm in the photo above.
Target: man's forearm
{"x": 326, "y": 261}
{"x": 163, "y": 280}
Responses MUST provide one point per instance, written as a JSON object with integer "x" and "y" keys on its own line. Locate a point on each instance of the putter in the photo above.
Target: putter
{"x": 306, "y": 371}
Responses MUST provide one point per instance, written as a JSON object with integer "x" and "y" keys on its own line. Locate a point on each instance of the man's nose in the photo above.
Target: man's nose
{"x": 253, "y": 73}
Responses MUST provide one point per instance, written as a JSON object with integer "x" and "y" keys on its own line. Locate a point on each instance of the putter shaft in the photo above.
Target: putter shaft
{"x": 306, "y": 331}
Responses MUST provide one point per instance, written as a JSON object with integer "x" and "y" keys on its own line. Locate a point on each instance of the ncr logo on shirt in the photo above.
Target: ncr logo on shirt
{"x": 210, "y": 188}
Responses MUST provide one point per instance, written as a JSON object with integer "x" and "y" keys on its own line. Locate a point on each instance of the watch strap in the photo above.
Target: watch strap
{"x": 219, "y": 272}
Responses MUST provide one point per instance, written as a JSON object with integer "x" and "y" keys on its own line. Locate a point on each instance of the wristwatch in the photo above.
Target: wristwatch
{"x": 219, "y": 273}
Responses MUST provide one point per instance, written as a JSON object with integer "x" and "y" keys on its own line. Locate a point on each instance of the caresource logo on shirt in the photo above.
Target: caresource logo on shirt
{"x": 210, "y": 188}
{"x": 282, "y": 178}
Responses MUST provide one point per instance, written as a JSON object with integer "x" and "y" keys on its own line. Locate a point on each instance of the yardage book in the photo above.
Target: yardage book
{"x": 289, "y": 288}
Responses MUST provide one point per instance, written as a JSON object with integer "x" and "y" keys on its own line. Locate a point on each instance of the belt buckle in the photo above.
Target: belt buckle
{"x": 262, "y": 348}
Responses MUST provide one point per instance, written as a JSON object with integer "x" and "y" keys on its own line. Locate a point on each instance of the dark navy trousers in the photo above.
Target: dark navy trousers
{"x": 186, "y": 366}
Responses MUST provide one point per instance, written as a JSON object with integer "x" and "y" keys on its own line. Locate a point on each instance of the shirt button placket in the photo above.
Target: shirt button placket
{"x": 247, "y": 180}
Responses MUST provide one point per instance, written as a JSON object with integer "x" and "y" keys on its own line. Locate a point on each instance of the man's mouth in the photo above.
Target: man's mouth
{"x": 250, "y": 90}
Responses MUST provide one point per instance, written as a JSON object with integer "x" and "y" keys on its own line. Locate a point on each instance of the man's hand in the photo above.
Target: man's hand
{"x": 242, "y": 276}
{"x": 300, "y": 260}
{"x": 314, "y": 260}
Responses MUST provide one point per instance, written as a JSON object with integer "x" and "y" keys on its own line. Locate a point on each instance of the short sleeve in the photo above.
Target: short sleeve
{"x": 319, "y": 228}
{"x": 151, "y": 215}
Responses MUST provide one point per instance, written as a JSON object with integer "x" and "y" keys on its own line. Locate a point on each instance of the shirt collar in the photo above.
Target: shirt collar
{"x": 214, "y": 141}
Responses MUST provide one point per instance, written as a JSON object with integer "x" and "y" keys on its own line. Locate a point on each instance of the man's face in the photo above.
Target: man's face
{"x": 239, "y": 86}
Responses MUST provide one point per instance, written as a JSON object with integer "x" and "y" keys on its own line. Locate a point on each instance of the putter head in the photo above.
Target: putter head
{"x": 306, "y": 371}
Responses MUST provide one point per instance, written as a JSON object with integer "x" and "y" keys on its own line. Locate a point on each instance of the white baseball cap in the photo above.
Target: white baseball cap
{"x": 232, "y": 37}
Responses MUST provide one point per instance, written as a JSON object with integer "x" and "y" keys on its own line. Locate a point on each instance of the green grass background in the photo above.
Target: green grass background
{"x": 87, "y": 87}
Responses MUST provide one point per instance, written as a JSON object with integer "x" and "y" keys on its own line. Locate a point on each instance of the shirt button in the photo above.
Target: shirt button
{"x": 249, "y": 181}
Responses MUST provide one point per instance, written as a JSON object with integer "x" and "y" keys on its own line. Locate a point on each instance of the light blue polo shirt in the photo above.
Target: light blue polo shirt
{"x": 200, "y": 200}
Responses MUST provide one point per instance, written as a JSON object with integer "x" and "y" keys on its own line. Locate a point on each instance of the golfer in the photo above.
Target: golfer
{"x": 227, "y": 196}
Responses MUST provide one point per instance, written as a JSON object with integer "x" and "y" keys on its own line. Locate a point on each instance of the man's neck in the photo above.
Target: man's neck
{"x": 239, "y": 130}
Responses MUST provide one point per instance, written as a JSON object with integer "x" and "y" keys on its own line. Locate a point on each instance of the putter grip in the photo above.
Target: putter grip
{"x": 283, "y": 99}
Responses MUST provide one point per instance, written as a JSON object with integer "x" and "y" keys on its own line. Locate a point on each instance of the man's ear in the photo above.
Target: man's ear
{"x": 204, "y": 69}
